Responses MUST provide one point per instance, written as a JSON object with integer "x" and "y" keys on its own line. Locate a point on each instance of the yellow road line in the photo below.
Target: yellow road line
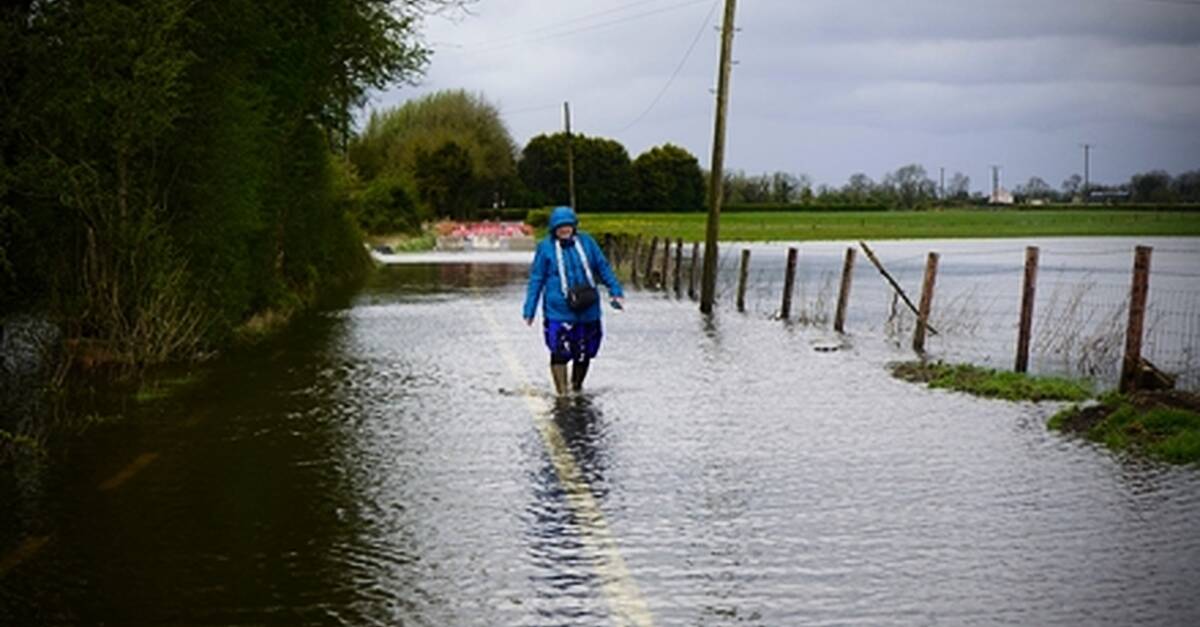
{"x": 26, "y": 550}
{"x": 127, "y": 473}
{"x": 624, "y": 598}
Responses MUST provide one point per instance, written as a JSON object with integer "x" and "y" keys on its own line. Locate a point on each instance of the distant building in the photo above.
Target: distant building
{"x": 1000, "y": 197}
{"x": 1108, "y": 195}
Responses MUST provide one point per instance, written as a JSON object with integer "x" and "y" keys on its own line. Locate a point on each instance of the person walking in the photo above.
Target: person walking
{"x": 566, "y": 267}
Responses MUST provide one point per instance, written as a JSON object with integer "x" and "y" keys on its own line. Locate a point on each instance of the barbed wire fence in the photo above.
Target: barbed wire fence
{"x": 1080, "y": 308}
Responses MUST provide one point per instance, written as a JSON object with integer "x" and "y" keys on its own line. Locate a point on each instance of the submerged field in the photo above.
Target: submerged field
{"x": 955, "y": 223}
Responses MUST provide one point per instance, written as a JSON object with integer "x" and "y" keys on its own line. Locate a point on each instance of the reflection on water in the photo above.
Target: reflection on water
{"x": 566, "y": 579}
{"x": 380, "y": 465}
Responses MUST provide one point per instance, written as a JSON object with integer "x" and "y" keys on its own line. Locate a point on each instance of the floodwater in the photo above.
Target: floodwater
{"x": 398, "y": 460}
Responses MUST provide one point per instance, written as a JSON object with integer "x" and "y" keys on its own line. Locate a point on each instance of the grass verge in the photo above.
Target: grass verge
{"x": 989, "y": 383}
{"x": 881, "y": 225}
{"x": 1163, "y": 425}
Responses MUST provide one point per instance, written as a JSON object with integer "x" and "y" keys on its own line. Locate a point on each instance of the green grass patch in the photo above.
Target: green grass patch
{"x": 1161, "y": 425}
{"x": 989, "y": 383}
{"x": 879, "y": 225}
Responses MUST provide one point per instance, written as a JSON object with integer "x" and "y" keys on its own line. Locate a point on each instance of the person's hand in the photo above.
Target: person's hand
{"x": 618, "y": 302}
{"x": 529, "y": 322}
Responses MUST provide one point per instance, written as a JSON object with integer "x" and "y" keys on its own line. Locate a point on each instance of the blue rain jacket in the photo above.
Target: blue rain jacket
{"x": 544, "y": 282}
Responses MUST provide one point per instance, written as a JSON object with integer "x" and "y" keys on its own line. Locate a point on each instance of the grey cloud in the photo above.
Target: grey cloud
{"x": 1134, "y": 21}
{"x": 832, "y": 88}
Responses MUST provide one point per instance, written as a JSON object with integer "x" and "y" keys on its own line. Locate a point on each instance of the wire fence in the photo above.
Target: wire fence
{"x": 1080, "y": 311}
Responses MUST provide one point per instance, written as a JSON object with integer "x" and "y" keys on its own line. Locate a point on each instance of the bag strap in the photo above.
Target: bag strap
{"x": 562, "y": 270}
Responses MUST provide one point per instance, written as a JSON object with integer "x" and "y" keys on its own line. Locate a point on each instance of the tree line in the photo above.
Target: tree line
{"x": 169, "y": 168}
{"x": 448, "y": 154}
{"x": 1155, "y": 186}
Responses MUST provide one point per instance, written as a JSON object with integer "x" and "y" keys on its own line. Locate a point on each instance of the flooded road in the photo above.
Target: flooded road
{"x": 399, "y": 461}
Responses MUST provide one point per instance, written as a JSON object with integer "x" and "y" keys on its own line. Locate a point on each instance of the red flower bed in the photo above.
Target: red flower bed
{"x": 450, "y": 228}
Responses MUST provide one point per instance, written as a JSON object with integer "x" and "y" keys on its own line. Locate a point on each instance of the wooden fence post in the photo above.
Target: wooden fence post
{"x": 789, "y": 281}
{"x": 839, "y": 319}
{"x": 1137, "y": 317}
{"x": 692, "y": 273}
{"x": 743, "y": 272}
{"x": 649, "y": 271}
{"x": 678, "y": 267}
{"x": 926, "y": 302}
{"x": 1027, "y": 296}
{"x": 666, "y": 264}
{"x": 633, "y": 262}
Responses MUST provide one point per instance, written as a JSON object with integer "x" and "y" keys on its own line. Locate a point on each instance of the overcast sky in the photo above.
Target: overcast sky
{"x": 829, "y": 88}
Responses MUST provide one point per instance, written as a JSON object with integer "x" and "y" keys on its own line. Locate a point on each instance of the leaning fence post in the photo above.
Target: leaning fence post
{"x": 649, "y": 271}
{"x": 926, "y": 302}
{"x": 1137, "y": 316}
{"x": 1027, "y": 297}
{"x": 678, "y": 267}
{"x": 692, "y": 272}
{"x": 789, "y": 280}
{"x": 839, "y": 319}
{"x": 742, "y": 273}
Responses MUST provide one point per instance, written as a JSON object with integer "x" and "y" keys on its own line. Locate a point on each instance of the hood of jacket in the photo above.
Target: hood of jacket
{"x": 562, "y": 216}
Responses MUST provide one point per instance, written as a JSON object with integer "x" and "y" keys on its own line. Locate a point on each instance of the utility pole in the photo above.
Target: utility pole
{"x": 570, "y": 155}
{"x": 995, "y": 183}
{"x": 708, "y": 285}
{"x": 942, "y": 183}
{"x": 1087, "y": 149}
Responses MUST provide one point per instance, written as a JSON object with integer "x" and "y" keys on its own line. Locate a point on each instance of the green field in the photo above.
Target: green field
{"x": 953, "y": 223}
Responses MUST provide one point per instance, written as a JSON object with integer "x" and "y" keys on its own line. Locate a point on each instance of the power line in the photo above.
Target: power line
{"x": 678, "y": 68}
{"x": 574, "y": 20}
{"x": 498, "y": 45}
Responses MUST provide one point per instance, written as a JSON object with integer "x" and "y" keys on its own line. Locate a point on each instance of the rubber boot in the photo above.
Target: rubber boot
{"x": 578, "y": 374}
{"x": 559, "y": 373}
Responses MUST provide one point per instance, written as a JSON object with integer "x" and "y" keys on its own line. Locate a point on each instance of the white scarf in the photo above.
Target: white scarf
{"x": 562, "y": 270}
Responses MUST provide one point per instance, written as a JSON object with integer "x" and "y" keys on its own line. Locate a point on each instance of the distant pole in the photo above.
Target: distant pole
{"x": 708, "y": 286}
{"x": 1025, "y": 328}
{"x": 1087, "y": 166}
{"x": 941, "y": 183}
{"x": 995, "y": 183}
{"x": 570, "y": 155}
